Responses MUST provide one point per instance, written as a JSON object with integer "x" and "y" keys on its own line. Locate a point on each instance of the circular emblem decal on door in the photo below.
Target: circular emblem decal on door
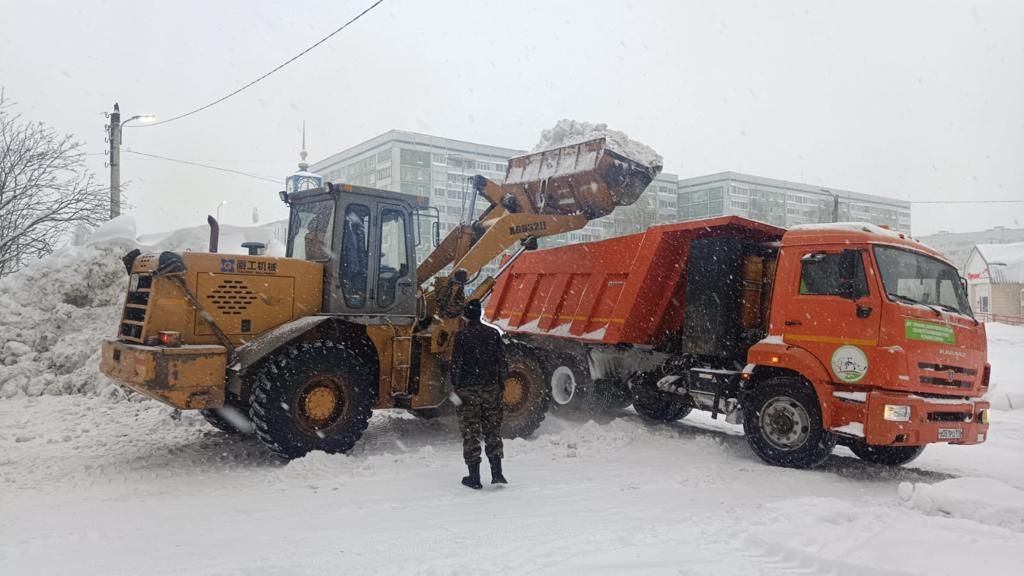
{"x": 849, "y": 363}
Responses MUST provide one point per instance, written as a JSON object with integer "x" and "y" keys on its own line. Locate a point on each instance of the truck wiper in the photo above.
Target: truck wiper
{"x": 909, "y": 300}
{"x": 958, "y": 311}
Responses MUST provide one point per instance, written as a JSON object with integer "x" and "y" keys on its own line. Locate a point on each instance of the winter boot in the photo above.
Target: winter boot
{"x": 473, "y": 480}
{"x": 496, "y": 476}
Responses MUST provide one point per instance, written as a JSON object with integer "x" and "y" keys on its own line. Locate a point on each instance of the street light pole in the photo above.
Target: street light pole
{"x": 115, "y": 162}
{"x": 115, "y": 156}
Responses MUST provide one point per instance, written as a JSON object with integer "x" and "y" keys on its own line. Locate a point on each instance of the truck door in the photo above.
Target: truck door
{"x": 831, "y": 309}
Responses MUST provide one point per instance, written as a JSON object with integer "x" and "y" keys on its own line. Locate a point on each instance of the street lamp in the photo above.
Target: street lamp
{"x": 114, "y": 137}
{"x": 222, "y": 202}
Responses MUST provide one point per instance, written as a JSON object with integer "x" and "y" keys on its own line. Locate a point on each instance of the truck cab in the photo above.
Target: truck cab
{"x": 880, "y": 325}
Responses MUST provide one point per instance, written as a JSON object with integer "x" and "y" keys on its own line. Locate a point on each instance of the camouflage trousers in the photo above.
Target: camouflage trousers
{"x": 480, "y": 412}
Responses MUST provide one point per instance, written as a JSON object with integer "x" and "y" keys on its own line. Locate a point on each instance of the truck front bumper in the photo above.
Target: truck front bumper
{"x": 930, "y": 420}
{"x": 186, "y": 377}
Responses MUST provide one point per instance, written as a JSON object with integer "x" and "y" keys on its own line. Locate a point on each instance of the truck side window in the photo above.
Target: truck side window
{"x": 822, "y": 274}
{"x": 394, "y": 257}
{"x": 355, "y": 255}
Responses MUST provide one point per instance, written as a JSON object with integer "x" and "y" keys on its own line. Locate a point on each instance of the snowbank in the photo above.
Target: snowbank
{"x": 980, "y": 499}
{"x": 55, "y": 312}
{"x": 1006, "y": 388}
{"x": 567, "y": 132}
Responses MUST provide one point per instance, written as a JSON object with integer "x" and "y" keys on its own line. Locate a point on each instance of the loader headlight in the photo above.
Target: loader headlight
{"x": 170, "y": 338}
{"x": 896, "y": 413}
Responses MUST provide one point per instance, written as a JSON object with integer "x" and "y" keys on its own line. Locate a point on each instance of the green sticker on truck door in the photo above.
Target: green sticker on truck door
{"x": 930, "y": 332}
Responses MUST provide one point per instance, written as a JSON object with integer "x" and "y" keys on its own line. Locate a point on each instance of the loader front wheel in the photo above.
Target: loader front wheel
{"x": 526, "y": 394}
{"x": 315, "y": 395}
{"x": 886, "y": 455}
{"x": 783, "y": 424}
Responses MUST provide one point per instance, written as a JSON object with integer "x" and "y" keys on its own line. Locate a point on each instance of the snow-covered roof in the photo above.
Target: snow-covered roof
{"x": 1005, "y": 262}
{"x": 849, "y": 227}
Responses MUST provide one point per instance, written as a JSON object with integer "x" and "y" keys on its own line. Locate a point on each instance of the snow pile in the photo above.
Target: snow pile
{"x": 55, "y": 312}
{"x": 567, "y": 132}
{"x": 980, "y": 499}
{"x": 1006, "y": 387}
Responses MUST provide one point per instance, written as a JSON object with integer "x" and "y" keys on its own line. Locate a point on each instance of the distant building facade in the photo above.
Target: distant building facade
{"x": 784, "y": 203}
{"x": 995, "y": 281}
{"x": 957, "y": 246}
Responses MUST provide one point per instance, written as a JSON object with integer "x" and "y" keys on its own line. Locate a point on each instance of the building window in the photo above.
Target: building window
{"x": 384, "y": 173}
{"x": 414, "y": 158}
{"x": 439, "y": 158}
{"x": 439, "y": 192}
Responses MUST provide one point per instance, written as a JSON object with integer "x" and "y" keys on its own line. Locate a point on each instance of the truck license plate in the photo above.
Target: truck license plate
{"x": 951, "y": 433}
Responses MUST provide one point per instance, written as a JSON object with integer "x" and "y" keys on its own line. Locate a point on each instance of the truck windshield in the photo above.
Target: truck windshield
{"x": 915, "y": 278}
{"x": 309, "y": 230}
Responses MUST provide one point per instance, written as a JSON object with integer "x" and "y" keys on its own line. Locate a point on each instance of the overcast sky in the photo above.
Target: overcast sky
{"x": 914, "y": 100}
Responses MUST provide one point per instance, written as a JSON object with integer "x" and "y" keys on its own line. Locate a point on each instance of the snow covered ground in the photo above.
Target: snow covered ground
{"x": 91, "y": 486}
{"x": 92, "y": 482}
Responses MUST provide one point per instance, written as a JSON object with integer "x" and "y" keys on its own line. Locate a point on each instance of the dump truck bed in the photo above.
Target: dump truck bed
{"x": 626, "y": 290}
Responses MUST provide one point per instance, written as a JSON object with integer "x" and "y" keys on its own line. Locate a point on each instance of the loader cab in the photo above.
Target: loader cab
{"x": 365, "y": 240}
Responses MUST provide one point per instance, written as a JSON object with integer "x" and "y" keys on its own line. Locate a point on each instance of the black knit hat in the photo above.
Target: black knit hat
{"x": 472, "y": 310}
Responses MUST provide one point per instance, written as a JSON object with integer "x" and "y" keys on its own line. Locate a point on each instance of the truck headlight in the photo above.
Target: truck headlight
{"x": 983, "y": 417}
{"x": 897, "y": 413}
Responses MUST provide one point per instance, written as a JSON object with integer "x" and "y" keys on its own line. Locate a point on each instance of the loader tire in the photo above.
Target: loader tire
{"x": 310, "y": 396}
{"x": 783, "y": 424}
{"x": 657, "y": 406}
{"x": 234, "y": 422}
{"x": 886, "y": 455}
{"x": 526, "y": 395}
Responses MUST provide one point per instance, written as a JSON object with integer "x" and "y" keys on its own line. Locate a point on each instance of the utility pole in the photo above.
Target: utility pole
{"x": 115, "y": 162}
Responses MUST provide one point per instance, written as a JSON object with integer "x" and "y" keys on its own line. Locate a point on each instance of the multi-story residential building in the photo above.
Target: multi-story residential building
{"x": 957, "y": 246}
{"x": 785, "y": 203}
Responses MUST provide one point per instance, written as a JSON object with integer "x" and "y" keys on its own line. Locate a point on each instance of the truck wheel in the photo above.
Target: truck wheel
{"x": 886, "y": 455}
{"x": 783, "y": 424}
{"x": 655, "y": 405}
{"x": 232, "y": 418}
{"x": 569, "y": 384}
{"x": 527, "y": 395}
{"x": 312, "y": 396}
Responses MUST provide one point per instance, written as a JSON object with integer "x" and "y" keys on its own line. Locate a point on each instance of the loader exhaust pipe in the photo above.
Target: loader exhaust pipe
{"x": 214, "y": 233}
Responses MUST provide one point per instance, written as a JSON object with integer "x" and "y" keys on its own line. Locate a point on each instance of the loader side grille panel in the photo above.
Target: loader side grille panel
{"x": 231, "y": 297}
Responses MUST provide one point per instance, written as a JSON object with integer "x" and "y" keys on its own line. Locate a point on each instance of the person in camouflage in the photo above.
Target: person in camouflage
{"x": 478, "y": 377}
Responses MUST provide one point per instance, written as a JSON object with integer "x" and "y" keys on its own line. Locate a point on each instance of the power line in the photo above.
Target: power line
{"x": 966, "y": 201}
{"x": 201, "y": 165}
{"x": 250, "y": 84}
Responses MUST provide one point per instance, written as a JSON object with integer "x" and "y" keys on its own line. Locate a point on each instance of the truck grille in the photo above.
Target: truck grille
{"x": 946, "y": 375}
{"x": 136, "y": 303}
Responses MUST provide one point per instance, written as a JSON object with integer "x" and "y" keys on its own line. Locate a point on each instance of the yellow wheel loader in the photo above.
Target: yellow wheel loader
{"x": 306, "y": 346}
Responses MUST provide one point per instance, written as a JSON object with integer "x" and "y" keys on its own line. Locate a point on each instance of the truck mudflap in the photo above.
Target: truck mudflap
{"x": 893, "y": 419}
{"x": 187, "y": 377}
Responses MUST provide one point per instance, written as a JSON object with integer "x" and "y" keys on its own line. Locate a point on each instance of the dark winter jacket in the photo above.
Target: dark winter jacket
{"x": 478, "y": 359}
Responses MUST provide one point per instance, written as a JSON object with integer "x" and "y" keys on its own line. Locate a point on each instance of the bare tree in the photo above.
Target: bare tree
{"x": 45, "y": 190}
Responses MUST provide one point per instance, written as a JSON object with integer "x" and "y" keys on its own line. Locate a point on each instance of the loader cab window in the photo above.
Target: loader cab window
{"x": 355, "y": 255}
{"x": 394, "y": 256}
{"x": 833, "y": 274}
{"x": 310, "y": 229}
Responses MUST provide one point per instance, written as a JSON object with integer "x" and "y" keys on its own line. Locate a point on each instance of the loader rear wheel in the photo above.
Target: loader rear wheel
{"x": 783, "y": 424}
{"x": 886, "y": 455}
{"x": 526, "y": 395}
{"x": 231, "y": 418}
{"x": 316, "y": 395}
{"x": 657, "y": 406}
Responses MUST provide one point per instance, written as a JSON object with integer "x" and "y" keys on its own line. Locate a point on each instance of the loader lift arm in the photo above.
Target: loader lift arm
{"x": 545, "y": 194}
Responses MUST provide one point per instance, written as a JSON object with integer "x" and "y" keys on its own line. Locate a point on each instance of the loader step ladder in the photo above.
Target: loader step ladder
{"x": 401, "y": 359}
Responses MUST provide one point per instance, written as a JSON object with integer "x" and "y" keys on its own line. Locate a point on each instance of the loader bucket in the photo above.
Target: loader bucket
{"x": 586, "y": 178}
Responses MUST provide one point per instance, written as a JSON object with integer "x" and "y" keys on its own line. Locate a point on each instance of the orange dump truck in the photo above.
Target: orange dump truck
{"x": 820, "y": 334}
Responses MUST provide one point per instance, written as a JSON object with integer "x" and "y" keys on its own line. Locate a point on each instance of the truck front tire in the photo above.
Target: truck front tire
{"x": 886, "y": 455}
{"x": 783, "y": 424}
{"x": 315, "y": 395}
